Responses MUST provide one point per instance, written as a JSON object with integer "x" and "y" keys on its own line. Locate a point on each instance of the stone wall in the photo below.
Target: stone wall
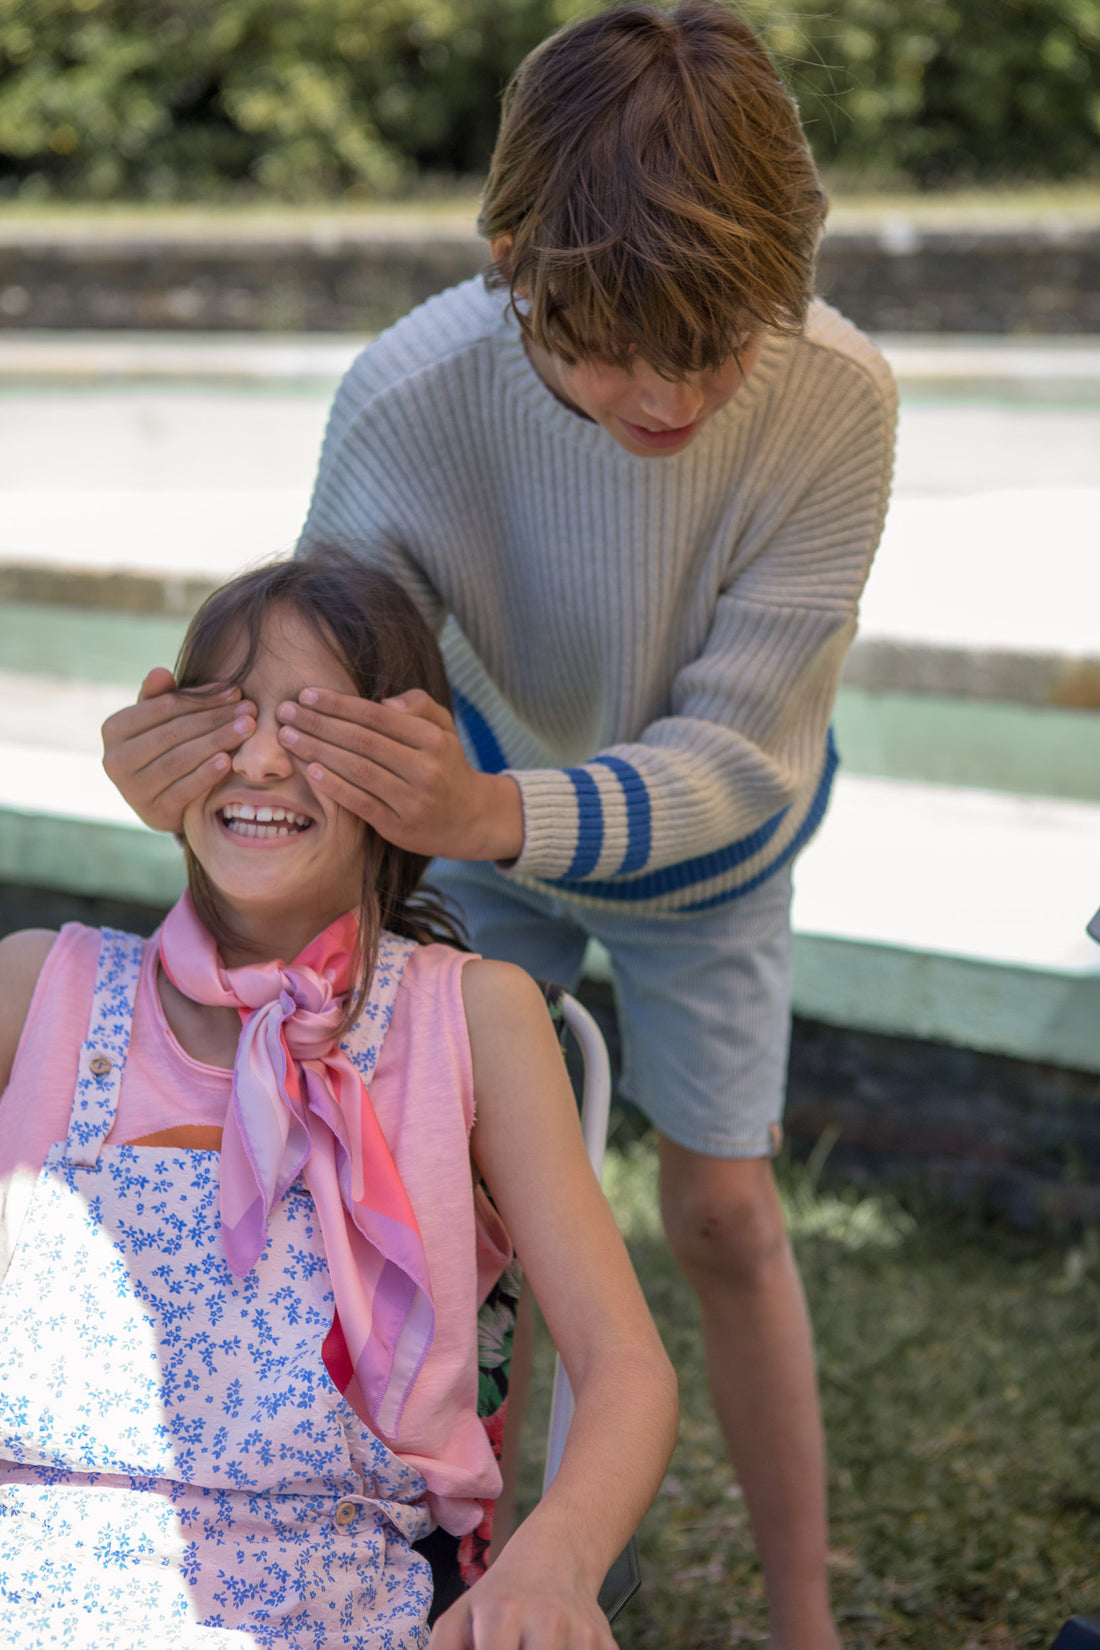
{"x": 1012, "y": 1136}
{"x": 895, "y": 277}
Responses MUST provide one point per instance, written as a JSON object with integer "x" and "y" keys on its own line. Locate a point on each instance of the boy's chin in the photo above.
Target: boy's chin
{"x": 654, "y": 444}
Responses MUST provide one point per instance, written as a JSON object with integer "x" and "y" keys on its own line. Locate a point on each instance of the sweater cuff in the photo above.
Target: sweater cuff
{"x": 574, "y": 823}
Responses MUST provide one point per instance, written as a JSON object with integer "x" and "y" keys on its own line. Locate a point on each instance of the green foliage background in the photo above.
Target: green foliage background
{"x": 318, "y": 100}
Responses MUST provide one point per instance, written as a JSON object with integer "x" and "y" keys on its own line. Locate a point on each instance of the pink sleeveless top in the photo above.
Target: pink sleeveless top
{"x": 422, "y": 1093}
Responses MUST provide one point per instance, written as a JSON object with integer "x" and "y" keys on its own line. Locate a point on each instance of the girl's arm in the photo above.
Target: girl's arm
{"x": 527, "y": 1144}
{"x": 21, "y": 959}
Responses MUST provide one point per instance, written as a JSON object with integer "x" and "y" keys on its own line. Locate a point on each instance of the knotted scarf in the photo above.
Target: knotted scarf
{"x": 300, "y": 1108}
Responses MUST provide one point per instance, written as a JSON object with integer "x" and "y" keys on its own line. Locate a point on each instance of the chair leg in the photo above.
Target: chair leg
{"x": 621, "y": 1582}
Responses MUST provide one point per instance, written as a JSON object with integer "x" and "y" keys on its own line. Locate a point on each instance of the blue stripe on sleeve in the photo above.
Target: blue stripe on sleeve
{"x": 671, "y": 878}
{"x": 638, "y": 812}
{"x": 814, "y": 815}
{"x": 490, "y": 757}
{"x": 589, "y": 823}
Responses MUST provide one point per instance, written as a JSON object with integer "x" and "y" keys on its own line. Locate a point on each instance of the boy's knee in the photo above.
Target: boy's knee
{"x": 722, "y": 1217}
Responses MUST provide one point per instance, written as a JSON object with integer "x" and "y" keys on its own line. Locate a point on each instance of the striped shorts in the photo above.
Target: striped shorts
{"x": 703, "y": 998}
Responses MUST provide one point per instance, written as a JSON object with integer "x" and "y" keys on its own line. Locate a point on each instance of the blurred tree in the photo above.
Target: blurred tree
{"x": 945, "y": 90}
{"x": 322, "y": 99}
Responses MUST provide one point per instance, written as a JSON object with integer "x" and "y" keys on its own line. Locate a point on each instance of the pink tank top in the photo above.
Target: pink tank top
{"x": 422, "y": 1093}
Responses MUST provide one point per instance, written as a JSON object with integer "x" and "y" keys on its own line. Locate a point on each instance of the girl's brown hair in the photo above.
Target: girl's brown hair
{"x": 373, "y": 629}
{"x": 657, "y": 189}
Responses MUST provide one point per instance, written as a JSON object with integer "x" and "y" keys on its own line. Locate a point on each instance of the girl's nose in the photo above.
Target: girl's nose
{"x": 261, "y": 756}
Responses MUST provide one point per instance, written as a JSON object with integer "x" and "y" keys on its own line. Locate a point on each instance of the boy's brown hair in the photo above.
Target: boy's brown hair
{"x": 657, "y": 189}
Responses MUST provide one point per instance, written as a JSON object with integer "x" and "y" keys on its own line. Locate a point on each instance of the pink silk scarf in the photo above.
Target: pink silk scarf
{"x": 300, "y": 1108}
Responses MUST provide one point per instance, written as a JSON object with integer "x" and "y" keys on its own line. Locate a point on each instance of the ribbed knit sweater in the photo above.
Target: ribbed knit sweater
{"x": 650, "y": 646}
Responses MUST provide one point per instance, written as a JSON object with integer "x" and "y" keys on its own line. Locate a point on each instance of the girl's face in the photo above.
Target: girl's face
{"x": 282, "y": 857}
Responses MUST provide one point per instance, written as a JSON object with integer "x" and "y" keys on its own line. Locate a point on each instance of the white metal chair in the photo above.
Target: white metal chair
{"x": 623, "y": 1578}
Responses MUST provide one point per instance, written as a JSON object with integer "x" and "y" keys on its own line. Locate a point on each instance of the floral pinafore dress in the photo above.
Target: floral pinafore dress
{"x": 177, "y": 1468}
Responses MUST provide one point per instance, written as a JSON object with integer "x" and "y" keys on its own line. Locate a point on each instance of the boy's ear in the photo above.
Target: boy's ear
{"x": 500, "y": 249}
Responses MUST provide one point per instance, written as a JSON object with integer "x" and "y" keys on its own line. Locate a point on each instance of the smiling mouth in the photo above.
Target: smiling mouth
{"x": 265, "y": 822}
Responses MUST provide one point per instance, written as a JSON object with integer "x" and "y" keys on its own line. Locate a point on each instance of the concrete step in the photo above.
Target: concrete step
{"x": 64, "y": 826}
{"x": 955, "y": 915}
{"x": 187, "y": 458}
{"x": 1044, "y": 365}
{"x": 961, "y": 601}
{"x": 925, "y": 907}
{"x": 920, "y": 910}
{"x": 950, "y": 915}
{"x": 65, "y": 670}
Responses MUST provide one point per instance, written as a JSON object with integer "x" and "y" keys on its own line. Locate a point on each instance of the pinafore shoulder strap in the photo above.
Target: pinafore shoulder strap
{"x": 103, "y": 1052}
{"x": 363, "y": 1040}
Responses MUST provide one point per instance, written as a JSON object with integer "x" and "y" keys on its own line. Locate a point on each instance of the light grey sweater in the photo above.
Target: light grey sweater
{"x": 650, "y": 645}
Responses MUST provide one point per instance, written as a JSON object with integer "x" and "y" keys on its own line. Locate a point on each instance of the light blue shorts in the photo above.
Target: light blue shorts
{"x": 703, "y": 999}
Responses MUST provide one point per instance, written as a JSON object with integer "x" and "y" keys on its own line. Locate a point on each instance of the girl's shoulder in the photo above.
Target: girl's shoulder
{"x": 46, "y": 981}
{"x": 22, "y": 955}
{"x": 507, "y": 1020}
{"x": 22, "y": 959}
{"x": 462, "y": 1008}
{"x": 491, "y": 989}
{"x": 25, "y": 951}
{"x": 486, "y": 990}
{"x": 413, "y": 995}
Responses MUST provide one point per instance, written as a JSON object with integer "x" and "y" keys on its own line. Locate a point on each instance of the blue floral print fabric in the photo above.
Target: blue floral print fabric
{"x": 177, "y": 1468}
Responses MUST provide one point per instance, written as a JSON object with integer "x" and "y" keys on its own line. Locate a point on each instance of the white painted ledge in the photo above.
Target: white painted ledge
{"x": 919, "y": 910}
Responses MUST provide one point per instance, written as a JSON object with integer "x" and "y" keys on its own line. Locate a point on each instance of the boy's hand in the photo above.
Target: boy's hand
{"x": 170, "y": 749}
{"x": 400, "y": 766}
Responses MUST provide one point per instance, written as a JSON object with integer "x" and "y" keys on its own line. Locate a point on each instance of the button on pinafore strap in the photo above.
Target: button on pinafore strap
{"x": 103, "y": 1052}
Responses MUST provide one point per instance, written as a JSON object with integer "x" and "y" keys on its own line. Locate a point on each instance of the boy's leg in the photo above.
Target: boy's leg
{"x": 726, "y": 1229}
{"x": 705, "y": 1000}
{"x": 704, "y": 1008}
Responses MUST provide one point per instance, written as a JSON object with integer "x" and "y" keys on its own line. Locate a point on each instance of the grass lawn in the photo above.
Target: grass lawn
{"x": 958, "y": 1362}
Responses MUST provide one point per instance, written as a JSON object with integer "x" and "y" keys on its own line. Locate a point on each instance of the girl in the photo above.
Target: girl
{"x": 241, "y": 1245}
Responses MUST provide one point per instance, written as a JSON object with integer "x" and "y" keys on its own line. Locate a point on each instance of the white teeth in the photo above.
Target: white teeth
{"x": 245, "y": 820}
{"x": 238, "y": 814}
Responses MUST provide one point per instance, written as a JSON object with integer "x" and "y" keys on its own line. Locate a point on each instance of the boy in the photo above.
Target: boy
{"x": 637, "y": 482}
